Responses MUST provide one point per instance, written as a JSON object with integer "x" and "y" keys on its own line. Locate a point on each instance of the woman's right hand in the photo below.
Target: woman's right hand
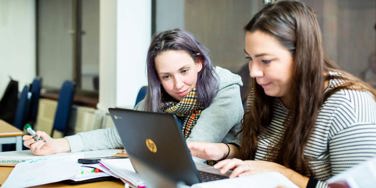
{"x": 47, "y": 145}
{"x": 208, "y": 151}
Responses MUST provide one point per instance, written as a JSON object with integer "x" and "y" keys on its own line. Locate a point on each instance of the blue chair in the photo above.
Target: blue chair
{"x": 141, "y": 94}
{"x": 35, "y": 88}
{"x": 64, "y": 108}
{"x": 22, "y": 109}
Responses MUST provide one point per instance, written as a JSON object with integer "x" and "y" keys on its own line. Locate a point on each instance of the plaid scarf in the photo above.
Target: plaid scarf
{"x": 187, "y": 109}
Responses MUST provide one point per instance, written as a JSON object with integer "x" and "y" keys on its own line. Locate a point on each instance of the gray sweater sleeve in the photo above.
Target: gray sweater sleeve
{"x": 98, "y": 139}
{"x": 221, "y": 120}
{"x": 95, "y": 140}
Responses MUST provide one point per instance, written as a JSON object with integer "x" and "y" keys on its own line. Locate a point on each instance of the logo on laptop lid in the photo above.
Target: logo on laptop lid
{"x": 117, "y": 117}
{"x": 151, "y": 145}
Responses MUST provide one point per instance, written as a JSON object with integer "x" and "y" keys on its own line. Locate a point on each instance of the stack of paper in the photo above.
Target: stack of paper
{"x": 42, "y": 171}
{"x": 123, "y": 169}
{"x": 11, "y": 158}
{"x": 39, "y": 170}
{"x": 88, "y": 173}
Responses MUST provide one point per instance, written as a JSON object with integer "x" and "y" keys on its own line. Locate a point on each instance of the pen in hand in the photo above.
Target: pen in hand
{"x": 30, "y": 130}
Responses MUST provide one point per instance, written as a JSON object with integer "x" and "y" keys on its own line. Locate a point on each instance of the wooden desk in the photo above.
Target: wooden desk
{"x": 5, "y": 171}
{"x": 9, "y": 135}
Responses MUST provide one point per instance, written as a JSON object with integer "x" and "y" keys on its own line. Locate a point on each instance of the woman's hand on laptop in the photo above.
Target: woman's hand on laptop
{"x": 238, "y": 167}
{"x": 208, "y": 151}
{"x": 46, "y": 145}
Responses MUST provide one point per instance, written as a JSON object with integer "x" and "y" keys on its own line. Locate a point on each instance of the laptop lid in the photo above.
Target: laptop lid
{"x": 155, "y": 144}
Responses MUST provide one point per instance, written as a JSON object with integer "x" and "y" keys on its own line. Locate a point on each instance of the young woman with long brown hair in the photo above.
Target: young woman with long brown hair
{"x": 305, "y": 117}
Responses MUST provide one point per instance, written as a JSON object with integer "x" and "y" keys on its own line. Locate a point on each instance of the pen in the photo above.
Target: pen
{"x": 30, "y": 130}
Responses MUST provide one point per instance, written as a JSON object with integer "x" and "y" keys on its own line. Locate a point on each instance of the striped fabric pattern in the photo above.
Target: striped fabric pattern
{"x": 344, "y": 136}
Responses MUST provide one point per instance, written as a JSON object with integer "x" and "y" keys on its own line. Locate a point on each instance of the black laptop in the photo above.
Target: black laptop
{"x": 156, "y": 148}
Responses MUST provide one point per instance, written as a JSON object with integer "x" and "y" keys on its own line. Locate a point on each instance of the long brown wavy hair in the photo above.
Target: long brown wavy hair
{"x": 295, "y": 26}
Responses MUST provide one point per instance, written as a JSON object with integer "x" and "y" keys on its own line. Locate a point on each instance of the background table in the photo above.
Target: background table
{"x": 10, "y": 135}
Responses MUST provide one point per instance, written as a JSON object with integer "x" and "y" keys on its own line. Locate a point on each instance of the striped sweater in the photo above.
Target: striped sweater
{"x": 344, "y": 135}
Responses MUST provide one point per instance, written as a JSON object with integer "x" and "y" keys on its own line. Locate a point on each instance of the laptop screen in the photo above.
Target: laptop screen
{"x": 154, "y": 143}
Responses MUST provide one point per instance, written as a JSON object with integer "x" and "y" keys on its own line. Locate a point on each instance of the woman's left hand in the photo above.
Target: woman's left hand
{"x": 248, "y": 167}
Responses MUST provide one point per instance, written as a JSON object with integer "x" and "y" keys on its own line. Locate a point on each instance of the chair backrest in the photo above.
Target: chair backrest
{"x": 35, "y": 88}
{"x": 22, "y": 109}
{"x": 8, "y": 103}
{"x": 141, "y": 94}
{"x": 64, "y": 108}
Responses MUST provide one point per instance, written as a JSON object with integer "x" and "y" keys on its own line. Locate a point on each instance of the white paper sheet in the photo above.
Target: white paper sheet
{"x": 39, "y": 170}
{"x": 361, "y": 175}
{"x": 14, "y": 157}
{"x": 42, "y": 171}
{"x": 123, "y": 169}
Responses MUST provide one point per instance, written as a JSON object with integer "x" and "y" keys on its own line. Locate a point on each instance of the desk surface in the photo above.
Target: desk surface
{"x": 5, "y": 171}
{"x": 7, "y": 130}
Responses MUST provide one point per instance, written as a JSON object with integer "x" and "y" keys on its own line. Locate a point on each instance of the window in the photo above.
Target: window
{"x": 68, "y": 43}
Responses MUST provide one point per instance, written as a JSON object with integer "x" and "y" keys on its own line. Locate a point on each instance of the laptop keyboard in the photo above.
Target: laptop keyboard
{"x": 205, "y": 176}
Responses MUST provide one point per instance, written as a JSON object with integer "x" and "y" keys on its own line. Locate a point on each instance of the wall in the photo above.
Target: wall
{"x": 17, "y": 42}
{"x": 164, "y": 11}
{"x": 125, "y": 32}
{"x": 348, "y": 31}
{"x": 220, "y": 27}
{"x": 356, "y": 34}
